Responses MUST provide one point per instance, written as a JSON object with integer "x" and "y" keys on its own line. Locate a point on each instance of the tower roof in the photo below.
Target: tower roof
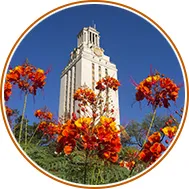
{"x": 88, "y": 36}
{"x": 89, "y": 28}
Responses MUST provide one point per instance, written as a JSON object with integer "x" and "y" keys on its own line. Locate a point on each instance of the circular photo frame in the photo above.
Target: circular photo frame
{"x": 100, "y": 113}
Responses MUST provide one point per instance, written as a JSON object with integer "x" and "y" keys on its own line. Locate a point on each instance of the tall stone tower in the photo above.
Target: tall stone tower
{"x": 86, "y": 66}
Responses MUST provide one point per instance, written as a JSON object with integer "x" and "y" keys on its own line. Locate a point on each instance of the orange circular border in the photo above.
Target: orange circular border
{"x": 79, "y": 3}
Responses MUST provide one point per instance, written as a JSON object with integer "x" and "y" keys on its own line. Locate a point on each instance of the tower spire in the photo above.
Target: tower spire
{"x": 93, "y": 24}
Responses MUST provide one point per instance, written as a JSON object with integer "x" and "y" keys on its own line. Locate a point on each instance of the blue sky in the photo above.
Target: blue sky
{"x": 132, "y": 43}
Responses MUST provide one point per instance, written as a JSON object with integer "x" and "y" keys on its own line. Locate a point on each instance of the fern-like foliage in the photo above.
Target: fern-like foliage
{"x": 72, "y": 167}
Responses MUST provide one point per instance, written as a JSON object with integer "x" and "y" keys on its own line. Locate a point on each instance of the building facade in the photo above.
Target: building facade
{"x": 86, "y": 66}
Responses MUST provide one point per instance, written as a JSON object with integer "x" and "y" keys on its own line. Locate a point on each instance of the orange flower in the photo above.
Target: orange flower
{"x": 12, "y": 76}
{"x": 7, "y": 90}
{"x": 67, "y": 149}
{"x": 38, "y": 113}
{"x": 42, "y": 125}
{"x": 121, "y": 163}
{"x": 155, "y": 137}
{"x": 19, "y": 69}
{"x": 101, "y": 138}
{"x": 83, "y": 122}
{"x": 27, "y": 77}
{"x": 147, "y": 145}
{"x": 49, "y": 115}
{"x": 48, "y": 125}
{"x": 145, "y": 155}
{"x": 108, "y": 82}
{"x": 170, "y": 131}
{"x": 157, "y": 90}
{"x": 113, "y": 157}
{"x": 106, "y": 155}
{"x": 152, "y": 149}
{"x": 85, "y": 95}
{"x": 44, "y": 114}
{"x": 85, "y": 138}
{"x": 9, "y": 112}
{"x": 115, "y": 144}
{"x": 157, "y": 148}
{"x": 108, "y": 122}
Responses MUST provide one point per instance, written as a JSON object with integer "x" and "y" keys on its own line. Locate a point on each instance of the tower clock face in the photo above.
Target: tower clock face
{"x": 98, "y": 51}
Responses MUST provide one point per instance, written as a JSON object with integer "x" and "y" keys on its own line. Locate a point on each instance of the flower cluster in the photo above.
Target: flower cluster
{"x": 144, "y": 87}
{"x": 72, "y": 131}
{"x": 85, "y": 95}
{"x": 109, "y": 143}
{"x": 48, "y": 128}
{"x": 7, "y": 90}
{"x": 108, "y": 82}
{"x": 47, "y": 124}
{"x": 81, "y": 133}
{"x": 27, "y": 77}
{"x": 43, "y": 114}
{"x": 170, "y": 131}
{"x": 9, "y": 111}
{"x": 170, "y": 89}
{"x": 152, "y": 149}
{"x": 157, "y": 90}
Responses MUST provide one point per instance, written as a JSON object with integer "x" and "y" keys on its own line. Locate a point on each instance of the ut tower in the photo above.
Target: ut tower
{"x": 87, "y": 64}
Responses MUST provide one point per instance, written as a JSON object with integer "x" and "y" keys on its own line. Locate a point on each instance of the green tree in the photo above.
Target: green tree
{"x": 137, "y": 131}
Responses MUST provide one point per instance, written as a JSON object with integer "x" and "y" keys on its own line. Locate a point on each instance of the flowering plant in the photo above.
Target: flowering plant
{"x": 28, "y": 79}
{"x": 91, "y": 133}
{"x": 159, "y": 91}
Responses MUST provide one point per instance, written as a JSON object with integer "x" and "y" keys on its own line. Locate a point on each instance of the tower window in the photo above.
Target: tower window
{"x": 70, "y": 97}
{"x": 74, "y": 87}
{"x": 93, "y": 76}
{"x": 99, "y": 72}
{"x": 66, "y": 76}
{"x": 84, "y": 37}
{"x": 106, "y": 71}
{"x": 90, "y": 37}
{"x": 93, "y": 38}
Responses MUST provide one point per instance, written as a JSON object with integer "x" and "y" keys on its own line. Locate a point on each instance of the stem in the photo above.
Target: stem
{"x": 152, "y": 121}
{"x": 26, "y": 133}
{"x": 40, "y": 140}
{"x": 85, "y": 169}
{"x": 132, "y": 170}
{"x": 22, "y": 120}
{"x": 104, "y": 170}
{"x": 33, "y": 134}
{"x": 93, "y": 174}
{"x": 107, "y": 101}
{"x": 99, "y": 96}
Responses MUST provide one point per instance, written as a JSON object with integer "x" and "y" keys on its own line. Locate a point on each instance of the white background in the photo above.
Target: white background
{"x": 16, "y": 16}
